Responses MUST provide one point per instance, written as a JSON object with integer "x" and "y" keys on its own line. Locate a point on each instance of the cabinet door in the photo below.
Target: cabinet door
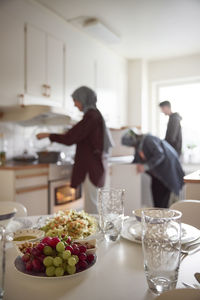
{"x": 11, "y": 59}
{"x": 35, "y": 61}
{"x": 55, "y": 69}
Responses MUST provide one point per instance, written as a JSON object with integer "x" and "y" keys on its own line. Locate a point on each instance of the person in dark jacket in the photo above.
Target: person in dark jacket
{"x": 93, "y": 141}
{"x": 174, "y": 132}
{"x": 160, "y": 161}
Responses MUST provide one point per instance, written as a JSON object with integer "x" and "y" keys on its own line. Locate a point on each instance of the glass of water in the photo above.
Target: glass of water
{"x": 161, "y": 242}
{"x": 111, "y": 212}
{"x": 2, "y": 260}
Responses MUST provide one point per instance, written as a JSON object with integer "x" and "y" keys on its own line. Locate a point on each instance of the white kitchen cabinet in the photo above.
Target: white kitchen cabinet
{"x": 11, "y": 60}
{"x": 122, "y": 175}
{"x": 44, "y": 68}
{"x": 28, "y": 186}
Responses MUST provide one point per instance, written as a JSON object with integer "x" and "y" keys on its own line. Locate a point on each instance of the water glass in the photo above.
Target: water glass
{"x": 161, "y": 242}
{"x": 2, "y": 260}
{"x": 111, "y": 212}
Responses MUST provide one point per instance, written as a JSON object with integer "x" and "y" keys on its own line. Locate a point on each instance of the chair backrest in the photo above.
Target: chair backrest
{"x": 190, "y": 210}
{"x": 21, "y": 209}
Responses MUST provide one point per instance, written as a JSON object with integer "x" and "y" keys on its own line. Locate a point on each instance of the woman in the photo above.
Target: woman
{"x": 93, "y": 142}
{"x": 160, "y": 161}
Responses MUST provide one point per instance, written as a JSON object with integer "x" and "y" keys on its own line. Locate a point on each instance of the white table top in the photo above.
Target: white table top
{"x": 118, "y": 274}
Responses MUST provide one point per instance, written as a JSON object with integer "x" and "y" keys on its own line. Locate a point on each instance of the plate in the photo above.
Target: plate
{"x": 132, "y": 231}
{"x": 19, "y": 223}
{"x": 20, "y": 267}
{"x": 180, "y": 294}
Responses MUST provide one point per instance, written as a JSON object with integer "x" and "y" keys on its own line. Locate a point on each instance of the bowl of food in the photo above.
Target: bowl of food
{"x": 27, "y": 235}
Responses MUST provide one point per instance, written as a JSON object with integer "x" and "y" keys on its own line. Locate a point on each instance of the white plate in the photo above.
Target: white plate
{"x": 20, "y": 267}
{"x": 132, "y": 231}
{"x": 180, "y": 294}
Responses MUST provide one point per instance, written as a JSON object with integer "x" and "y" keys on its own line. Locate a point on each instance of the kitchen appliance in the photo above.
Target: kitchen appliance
{"x": 48, "y": 156}
{"x": 60, "y": 194}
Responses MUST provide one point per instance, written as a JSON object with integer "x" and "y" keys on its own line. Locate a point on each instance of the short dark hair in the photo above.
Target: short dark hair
{"x": 165, "y": 103}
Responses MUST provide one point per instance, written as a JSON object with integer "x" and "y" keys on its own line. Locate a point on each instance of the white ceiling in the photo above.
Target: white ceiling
{"x": 149, "y": 29}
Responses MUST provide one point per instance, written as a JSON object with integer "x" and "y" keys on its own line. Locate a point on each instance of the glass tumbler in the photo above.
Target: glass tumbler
{"x": 161, "y": 243}
{"x": 111, "y": 212}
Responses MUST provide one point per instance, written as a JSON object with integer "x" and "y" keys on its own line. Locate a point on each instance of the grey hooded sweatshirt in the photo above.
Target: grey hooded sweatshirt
{"x": 174, "y": 132}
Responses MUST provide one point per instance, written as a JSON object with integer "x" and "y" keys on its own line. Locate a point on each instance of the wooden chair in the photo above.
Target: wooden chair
{"x": 190, "y": 210}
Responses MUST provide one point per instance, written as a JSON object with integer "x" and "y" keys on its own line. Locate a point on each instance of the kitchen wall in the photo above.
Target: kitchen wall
{"x": 88, "y": 62}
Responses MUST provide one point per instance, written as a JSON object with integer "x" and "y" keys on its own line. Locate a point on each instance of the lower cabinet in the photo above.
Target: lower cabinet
{"x": 28, "y": 186}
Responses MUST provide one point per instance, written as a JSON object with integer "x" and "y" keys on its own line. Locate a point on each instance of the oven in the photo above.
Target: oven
{"x": 60, "y": 194}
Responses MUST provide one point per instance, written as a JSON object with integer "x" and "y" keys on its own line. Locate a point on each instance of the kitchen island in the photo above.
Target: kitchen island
{"x": 192, "y": 186}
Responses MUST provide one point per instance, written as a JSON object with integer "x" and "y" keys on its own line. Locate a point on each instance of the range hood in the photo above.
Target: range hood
{"x": 34, "y": 115}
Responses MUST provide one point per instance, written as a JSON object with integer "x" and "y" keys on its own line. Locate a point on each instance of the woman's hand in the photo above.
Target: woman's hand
{"x": 42, "y": 135}
{"x": 140, "y": 168}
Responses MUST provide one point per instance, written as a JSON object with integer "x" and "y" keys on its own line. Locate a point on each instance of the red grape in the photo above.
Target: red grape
{"x": 29, "y": 266}
{"x": 83, "y": 264}
{"x": 28, "y": 250}
{"x": 46, "y": 240}
{"x": 68, "y": 241}
{"x": 90, "y": 258}
{"x": 75, "y": 251}
{"x": 35, "y": 252}
{"x": 82, "y": 256}
{"x": 40, "y": 247}
{"x": 54, "y": 241}
{"x": 36, "y": 264}
{"x": 82, "y": 248}
{"x": 41, "y": 257}
{"x": 26, "y": 257}
{"x": 69, "y": 248}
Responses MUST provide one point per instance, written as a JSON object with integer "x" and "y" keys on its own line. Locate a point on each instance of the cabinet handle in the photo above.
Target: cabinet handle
{"x": 21, "y": 99}
{"x": 48, "y": 91}
{"x": 31, "y": 189}
{"x": 44, "y": 89}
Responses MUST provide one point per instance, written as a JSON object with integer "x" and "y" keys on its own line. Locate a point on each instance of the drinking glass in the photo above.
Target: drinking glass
{"x": 161, "y": 242}
{"x": 111, "y": 212}
{"x": 2, "y": 260}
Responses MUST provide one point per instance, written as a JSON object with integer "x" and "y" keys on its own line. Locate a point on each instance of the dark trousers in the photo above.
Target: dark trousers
{"x": 160, "y": 193}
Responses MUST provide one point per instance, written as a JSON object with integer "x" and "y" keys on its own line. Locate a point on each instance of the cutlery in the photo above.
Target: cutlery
{"x": 191, "y": 286}
{"x": 197, "y": 276}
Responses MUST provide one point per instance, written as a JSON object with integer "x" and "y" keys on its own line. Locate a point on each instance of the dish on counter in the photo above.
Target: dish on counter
{"x": 28, "y": 235}
{"x": 77, "y": 225}
{"x": 132, "y": 231}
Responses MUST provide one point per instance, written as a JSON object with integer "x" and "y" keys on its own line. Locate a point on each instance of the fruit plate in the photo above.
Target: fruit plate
{"x": 20, "y": 267}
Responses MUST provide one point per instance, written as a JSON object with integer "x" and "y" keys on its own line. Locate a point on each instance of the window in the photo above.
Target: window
{"x": 185, "y": 99}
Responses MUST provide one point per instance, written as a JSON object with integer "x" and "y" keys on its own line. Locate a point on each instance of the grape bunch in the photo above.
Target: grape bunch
{"x": 57, "y": 257}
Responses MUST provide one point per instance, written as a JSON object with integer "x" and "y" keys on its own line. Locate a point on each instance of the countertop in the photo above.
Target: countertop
{"x": 13, "y": 165}
{"x": 121, "y": 159}
{"x": 193, "y": 177}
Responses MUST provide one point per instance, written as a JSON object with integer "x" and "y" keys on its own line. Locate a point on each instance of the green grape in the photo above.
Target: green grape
{"x": 66, "y": 254}
{"x": 59, "y": 271}
{"x": 57, "y": 261}
{"x": 47, "y": 250}
{"x": 71, "y": 261}
{"x": 71, "y": 269}
{"x": 60, "y": 254}
{"x": 76, "y": 258}
{"x": 50, "y": 271}
{"x": 60, "y": 247}
{"x": 48, "y": 261}
{"x": 64, "y": 265}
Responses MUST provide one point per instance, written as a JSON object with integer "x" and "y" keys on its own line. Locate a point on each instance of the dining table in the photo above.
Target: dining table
{"x": 117, "y": 274}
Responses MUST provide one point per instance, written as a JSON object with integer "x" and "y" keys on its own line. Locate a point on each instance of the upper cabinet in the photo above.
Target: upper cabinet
{"x": 44, "y": 68}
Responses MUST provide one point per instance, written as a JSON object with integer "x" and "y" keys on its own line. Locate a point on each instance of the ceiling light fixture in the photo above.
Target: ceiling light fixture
{"x": 99, "y": 30}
